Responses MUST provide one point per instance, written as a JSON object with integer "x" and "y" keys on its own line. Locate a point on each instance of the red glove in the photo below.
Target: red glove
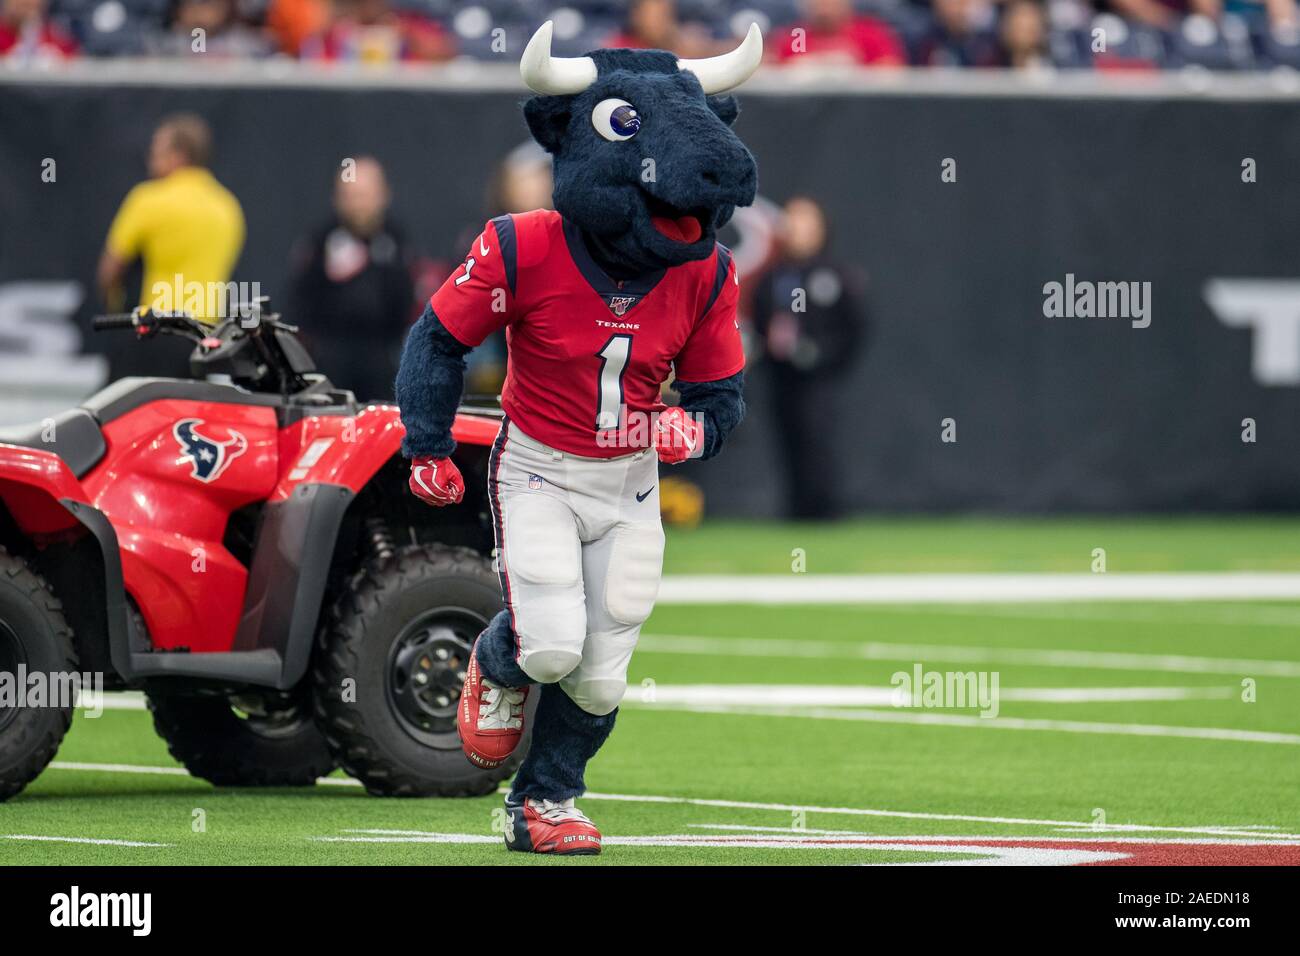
{"x": 436, "y": 481}
{"x": 678, "y": 435}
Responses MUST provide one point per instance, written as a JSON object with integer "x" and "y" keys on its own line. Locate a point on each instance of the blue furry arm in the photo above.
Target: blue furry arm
{"x": 720, "y": 402}
{"x": 430, "y": 380}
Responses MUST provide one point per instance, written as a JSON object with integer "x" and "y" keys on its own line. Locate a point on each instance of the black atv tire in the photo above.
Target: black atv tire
{"x": 404, "y": 620}
{"x": 34, "y": 632}
{"x": 275, "y": 744}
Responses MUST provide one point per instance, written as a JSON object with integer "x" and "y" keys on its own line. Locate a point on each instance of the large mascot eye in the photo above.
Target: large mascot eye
{"x": 615, "y": 120}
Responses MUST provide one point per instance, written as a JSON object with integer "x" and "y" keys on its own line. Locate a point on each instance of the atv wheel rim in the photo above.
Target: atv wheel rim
{"x": 12, "y": 656}
{"x": 426, "y": 670}
{"x": 267, "y": 722}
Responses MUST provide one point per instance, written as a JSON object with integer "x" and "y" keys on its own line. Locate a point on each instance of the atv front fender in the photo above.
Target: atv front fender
{"x": 32, "y": 485}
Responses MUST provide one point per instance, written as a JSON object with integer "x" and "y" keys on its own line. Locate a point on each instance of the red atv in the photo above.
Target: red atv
{"x": 242, "y": 547}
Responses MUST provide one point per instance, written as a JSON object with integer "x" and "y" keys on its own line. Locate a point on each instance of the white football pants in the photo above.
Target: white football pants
{"x": 580, "y": 553}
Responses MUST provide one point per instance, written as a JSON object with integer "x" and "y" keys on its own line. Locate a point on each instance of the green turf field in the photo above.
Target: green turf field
{"x": 966, "y": 545}
{"x": 764, "y": 734}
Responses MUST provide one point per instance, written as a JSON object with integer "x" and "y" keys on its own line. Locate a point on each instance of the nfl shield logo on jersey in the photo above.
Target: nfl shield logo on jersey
{"x": 618, "y": 304}
{"x": 534, "y": 482}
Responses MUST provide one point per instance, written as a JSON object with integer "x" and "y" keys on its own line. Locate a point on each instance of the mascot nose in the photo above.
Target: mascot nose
{"x": 727, "y": 174}
{"x": 721, "y": 167}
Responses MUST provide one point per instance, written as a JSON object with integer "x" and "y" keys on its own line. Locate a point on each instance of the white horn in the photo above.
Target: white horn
{"x": 554, "y": 75}
{"x": 717, "y": 74}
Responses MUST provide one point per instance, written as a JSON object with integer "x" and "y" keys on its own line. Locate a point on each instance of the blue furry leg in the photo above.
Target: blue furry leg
{"x": 496, "y": 653}
{"x": 565, "y": 738}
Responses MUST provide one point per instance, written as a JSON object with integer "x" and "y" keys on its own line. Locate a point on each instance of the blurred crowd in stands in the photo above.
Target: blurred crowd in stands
{"x": 1021, "y": 34}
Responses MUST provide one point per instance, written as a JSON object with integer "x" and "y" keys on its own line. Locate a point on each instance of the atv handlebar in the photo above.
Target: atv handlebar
{"x": 247, "y": 327}
{"x": 101, "y": 323}
{"x": 149, "y": 322}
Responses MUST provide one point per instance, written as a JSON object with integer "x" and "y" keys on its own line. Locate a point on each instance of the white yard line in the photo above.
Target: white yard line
{"x": 976, "y": 588}
{"x": 1008, "y": 855}
{"x": 834, "y": 695}
{"x": 117, "y": 768}
{"x": 1192, "y": 613}
{"x": 411, "y": 838}
{"x": 912, "y": 815}
{"x": 961, "y": 653}
{"x": 338, "y": 782}
{"x": 168, "y": 771}
{"x": 124, "y": 700}
{"x": 1086, "y": 833}
{"x": 790, "y": 835}
{"x": 780, "y": 807}
{"x": 907, "y": 716}
{"x": 86, "y": 840}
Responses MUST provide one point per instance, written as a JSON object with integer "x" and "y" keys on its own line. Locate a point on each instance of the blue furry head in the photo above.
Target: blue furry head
{"x": 643, "y": 159}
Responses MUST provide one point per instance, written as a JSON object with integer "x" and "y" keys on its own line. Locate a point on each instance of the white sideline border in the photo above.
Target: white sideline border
{"x": 463, "y": 74}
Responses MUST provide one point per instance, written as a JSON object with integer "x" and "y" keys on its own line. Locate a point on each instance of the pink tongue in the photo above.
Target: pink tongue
{"x": 686, "y": 229}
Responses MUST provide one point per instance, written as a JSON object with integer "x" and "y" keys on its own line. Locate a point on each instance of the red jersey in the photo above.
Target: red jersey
{"x": 862, "y": 40}
{"x": 588, "y": 354}
{"x": 38, "y": 39}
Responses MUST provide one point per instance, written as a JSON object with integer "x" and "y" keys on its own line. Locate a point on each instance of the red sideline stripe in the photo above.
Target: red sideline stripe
{"x": 1144, "y": 854}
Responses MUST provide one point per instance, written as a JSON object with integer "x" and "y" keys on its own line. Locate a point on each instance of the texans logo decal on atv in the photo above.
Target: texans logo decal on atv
{"x": 209, "y": 457}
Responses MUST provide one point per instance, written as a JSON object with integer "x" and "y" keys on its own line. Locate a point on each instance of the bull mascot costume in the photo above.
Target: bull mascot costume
{"x": 620, "y": 288}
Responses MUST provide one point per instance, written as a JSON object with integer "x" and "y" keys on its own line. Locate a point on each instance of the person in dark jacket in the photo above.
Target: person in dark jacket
{"x": 353, "y": 295}
{"x": 808, "y": 316}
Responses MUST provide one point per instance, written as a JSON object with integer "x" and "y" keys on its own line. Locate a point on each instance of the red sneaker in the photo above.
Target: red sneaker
{"x": 490, "y": 719}
{"x": 550, "y": 826}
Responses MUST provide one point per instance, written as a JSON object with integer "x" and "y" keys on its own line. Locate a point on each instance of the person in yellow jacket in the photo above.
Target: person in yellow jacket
{"x": 185, "y": 227}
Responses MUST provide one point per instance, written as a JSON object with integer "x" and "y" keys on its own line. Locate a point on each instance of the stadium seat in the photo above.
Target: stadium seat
{"x": 703, "y": 11}
{"x": 439, "y": 10}
{"x": 481, "y": 47}
{"x": 1279, "y": 47}
{"x": 70, "y": 8}
{"x": 779, "y": 12}
{"x": 596, "y": 34}
{"x": 155, "y": 10}
{"x": 1199, "y": 41}
{"x": 1128, "y": 45}
{"x": 602, "y": 8}
{"x": 515, "y": 10}
{"x": 1069, "y": 49}
{"x": 108, "y": 29}
{"x": 909, "y": 22}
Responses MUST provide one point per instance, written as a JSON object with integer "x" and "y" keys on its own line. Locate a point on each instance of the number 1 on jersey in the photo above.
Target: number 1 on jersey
{"x": 613, "y": 365}
{"x": 469, "y": 267}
